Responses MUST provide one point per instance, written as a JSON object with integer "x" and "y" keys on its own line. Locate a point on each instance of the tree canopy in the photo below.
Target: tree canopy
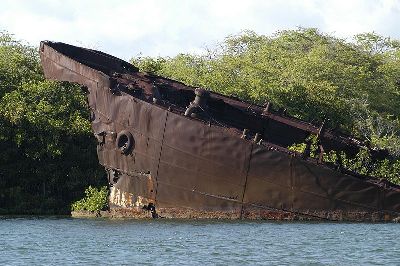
{"x": 47, "y": 152}
{"x": 355, "y": 84}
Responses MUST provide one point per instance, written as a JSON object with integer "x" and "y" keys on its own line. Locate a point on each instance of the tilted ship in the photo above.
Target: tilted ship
{"x": 175, "y": 151}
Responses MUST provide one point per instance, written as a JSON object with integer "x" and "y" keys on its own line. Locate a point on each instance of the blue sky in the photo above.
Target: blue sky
{"x": 167, "y": 27}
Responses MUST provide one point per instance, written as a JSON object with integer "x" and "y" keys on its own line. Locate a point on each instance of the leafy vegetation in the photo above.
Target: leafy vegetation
{"x": 355, "y": 85}
{"x": 47, "y": 152}
{"x": 362, "y": 163}
{"x": 95, "y": 200}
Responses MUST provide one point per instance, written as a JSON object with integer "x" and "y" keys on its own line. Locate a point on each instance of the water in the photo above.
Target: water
{"x": 66, "y": 241}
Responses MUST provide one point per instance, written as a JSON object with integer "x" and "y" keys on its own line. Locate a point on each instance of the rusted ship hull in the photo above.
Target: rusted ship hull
{"x": 166, "y": 160}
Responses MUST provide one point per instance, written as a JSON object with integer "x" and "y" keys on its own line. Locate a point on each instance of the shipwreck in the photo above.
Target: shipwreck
{"x": 175, "y": 151}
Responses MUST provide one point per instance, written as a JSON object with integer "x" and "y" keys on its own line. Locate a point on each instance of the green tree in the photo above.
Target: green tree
{"x": 47, "y": 152}
{"x": 356, "y": 85}
{"x": 313, "y": 75}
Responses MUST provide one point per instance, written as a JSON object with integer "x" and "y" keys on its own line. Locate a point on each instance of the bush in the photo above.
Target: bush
{"x": 95, "y": 200}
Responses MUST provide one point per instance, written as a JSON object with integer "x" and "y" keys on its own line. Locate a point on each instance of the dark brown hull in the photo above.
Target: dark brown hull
{"x": 188, "y": 168}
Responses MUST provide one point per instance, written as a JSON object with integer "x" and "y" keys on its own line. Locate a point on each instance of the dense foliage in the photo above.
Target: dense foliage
{"x": 355, "y": 85}
{"x": 47, "y": 152}
{"x": 48, "y": 155}
{"x": 95, "y": 200}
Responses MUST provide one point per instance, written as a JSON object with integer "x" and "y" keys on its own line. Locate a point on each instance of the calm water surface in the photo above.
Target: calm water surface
{"x": 65, "y": 241}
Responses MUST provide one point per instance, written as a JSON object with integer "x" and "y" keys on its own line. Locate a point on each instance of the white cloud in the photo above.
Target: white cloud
{"x": 347, "y": 18}
{"x": 167, "y": 27}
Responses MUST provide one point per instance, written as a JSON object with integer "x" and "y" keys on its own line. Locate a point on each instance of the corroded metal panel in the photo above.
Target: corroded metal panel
{"x": 266, "y": 194}
{"x": 324, "y": 182}
{"x": 170, "y": 196}
{"x": 215, "y": 148}
{"x": 269, "y": 180}
{"x": 270, "y": 166}
{"x": 207, "y": 166}
{"x": 137, "y": 184}
{"x": 199, "y": 182}
{"x": 391, "y": 200}
{"x": 313, "y": 179}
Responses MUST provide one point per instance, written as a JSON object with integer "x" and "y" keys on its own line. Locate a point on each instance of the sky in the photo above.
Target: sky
{"x": 128, "y": 28}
